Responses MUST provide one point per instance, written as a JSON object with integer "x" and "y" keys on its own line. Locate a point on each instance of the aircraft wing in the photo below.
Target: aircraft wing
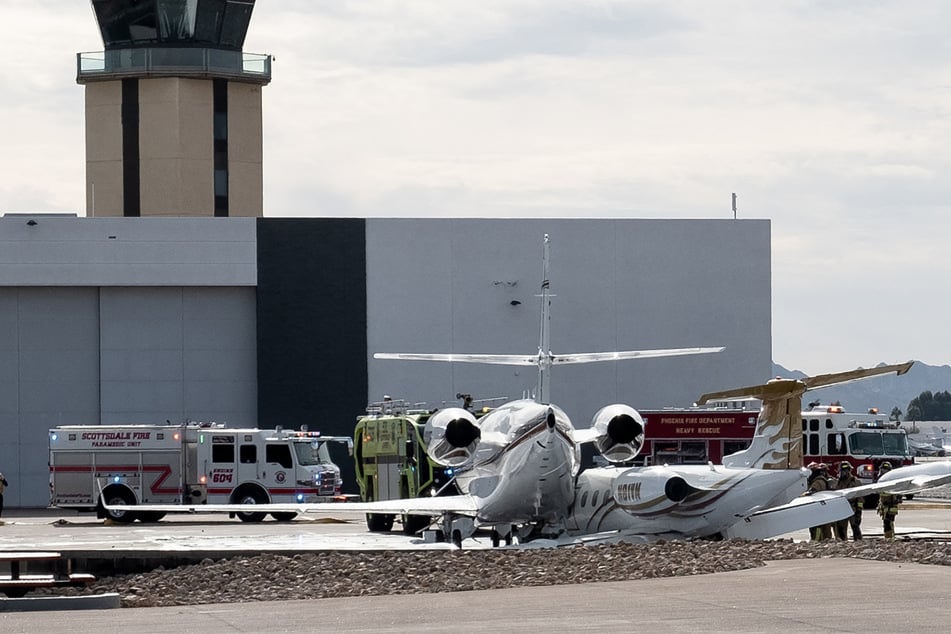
{"x": 435, "y": 505}
{"x": 831, "y": 506}
{"x": 801, "y": 513}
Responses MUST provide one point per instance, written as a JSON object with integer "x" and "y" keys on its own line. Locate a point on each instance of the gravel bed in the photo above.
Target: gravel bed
{"x": 270, "y": 577}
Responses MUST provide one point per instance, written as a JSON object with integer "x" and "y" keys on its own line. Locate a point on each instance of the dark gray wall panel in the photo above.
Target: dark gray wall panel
{"x": 312, "y": 328}
{"x": 311, "y": 300}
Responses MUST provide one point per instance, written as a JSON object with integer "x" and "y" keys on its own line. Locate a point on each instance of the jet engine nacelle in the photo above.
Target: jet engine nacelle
{"x": 452, "y": 436}
{"x": 620, "y": 430}
{"x": 645, "y": 491}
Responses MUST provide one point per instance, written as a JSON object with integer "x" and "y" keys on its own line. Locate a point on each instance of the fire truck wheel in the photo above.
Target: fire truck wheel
{"x": 283, "y": 517}
{"x": 116, "y": 496}
{"x": 250, "y": 496}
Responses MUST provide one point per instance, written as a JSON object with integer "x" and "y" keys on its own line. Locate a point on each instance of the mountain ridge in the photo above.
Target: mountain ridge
{"x": 883, "y": 392}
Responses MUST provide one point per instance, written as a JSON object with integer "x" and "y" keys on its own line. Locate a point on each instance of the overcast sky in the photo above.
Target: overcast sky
{"x": 830, "y": 118}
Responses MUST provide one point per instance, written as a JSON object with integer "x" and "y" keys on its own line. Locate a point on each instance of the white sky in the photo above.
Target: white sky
{"x": 831, "y": 118}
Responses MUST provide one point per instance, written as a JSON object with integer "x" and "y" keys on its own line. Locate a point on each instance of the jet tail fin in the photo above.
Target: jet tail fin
{"x": 777, "y": 441}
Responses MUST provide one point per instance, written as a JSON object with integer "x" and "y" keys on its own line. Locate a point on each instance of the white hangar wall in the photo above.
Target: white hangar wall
{"x": 461, "y": 286}
{"x": 120, "y": 321}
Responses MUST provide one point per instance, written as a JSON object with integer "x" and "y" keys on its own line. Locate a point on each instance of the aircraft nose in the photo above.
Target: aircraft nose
{"x": 550, "y": 419}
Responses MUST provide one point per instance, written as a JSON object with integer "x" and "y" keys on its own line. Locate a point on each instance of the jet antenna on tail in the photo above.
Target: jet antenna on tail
{"x": 544, "y": 339}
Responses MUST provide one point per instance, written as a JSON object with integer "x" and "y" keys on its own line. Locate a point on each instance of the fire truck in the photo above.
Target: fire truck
{"x": 695, "y": 436}
{"x": 193, "y": 463}
{"x": 830, "y": 435}
{"x": 392, "y": 462}
{"x": 866, "y": 440}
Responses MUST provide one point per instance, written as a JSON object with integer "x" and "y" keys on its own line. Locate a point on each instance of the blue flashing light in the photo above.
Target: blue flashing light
{"x": 300, "y": 497}
{"x": 115, "y": 479}
{"x": 53, "y": 436}
{"x": 449, "y": 471}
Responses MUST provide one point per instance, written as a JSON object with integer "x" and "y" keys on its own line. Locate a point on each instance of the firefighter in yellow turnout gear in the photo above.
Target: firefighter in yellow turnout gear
{"x": 819, "y": 481}
{"x": 888, "y": 505}
{"x": 847, "y": 480}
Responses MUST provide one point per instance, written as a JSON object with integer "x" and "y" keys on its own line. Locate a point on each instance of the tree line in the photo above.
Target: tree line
{"x": 927, "y": 406}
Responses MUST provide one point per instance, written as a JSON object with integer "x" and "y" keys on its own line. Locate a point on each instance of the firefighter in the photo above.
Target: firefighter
{"x": 888, "y": 504}
{"x": 818, "y": 481}
{"x": 847, "y": 480}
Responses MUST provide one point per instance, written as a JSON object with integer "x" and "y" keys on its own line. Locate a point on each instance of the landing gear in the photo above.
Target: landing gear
{"x": 504, "y": 535}
{"x": 380, "y": 522}
{"x": 413, "y": 524}
{"x": 458, "y": 528}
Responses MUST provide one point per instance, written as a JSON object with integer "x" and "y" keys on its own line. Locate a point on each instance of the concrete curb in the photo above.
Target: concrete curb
{"x": 48, "y": 604}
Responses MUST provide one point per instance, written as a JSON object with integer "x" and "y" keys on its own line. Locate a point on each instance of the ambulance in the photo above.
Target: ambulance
{"x": 193, "y": 463}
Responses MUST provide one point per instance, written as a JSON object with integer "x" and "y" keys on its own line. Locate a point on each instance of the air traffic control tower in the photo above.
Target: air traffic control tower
{"x": 173, "y": 110}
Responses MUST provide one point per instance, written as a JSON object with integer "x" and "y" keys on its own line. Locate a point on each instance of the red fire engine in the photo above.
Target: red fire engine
{"x": 695, "y": 436}
{"x": 866, "y": 440}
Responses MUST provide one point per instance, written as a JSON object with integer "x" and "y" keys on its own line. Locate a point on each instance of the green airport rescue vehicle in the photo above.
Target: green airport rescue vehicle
{"x": 391, "y": 460}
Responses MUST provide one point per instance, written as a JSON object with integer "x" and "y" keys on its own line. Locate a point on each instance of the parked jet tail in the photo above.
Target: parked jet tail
{"x": 544, "y": 359}
{"x": 777, "y": 441}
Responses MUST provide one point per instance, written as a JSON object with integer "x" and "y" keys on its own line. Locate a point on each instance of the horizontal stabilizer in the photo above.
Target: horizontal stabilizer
{"x": 623, "y": 355}
{"x": 490, "y": 359}
{"x": 556, "y": 359}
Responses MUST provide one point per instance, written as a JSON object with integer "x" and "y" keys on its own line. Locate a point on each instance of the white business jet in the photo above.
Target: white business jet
{"x": 516, "y": 466}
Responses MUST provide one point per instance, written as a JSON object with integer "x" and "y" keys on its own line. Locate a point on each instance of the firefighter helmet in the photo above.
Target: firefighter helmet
{"x": 845, "y": 465}
{"x": 885, "y": 466}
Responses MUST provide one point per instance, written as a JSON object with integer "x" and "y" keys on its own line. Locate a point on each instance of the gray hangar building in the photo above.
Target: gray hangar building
{"x": 274, "y": 321}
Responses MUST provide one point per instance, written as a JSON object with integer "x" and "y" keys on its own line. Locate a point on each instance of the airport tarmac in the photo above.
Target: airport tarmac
{"x": 832, "y": 595}
{"x": 67, "y": 532}
{"x": 801, "y": 596}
